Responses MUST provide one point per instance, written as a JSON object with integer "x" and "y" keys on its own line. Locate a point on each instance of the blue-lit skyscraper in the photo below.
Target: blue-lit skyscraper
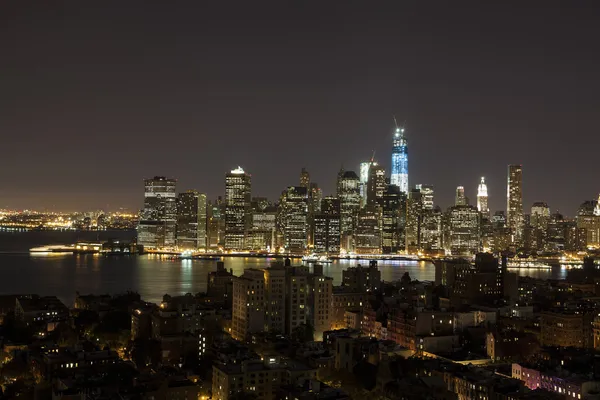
{"x": 399, "y": 175}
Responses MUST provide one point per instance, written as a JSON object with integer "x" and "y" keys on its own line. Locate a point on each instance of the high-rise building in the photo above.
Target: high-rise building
{"x": 348, "y": 192}
{"x": 393, "y": 220}
{"x": 588, "y": 223}
{"x": 275, "y": 295}
{"x": 414, "y": 219}
{"x": 262, "y": 233}
{"x": 368, "y": 230}
{"x": 540, "y": 215}
{"x": 426, "y": 195}
{"x": 376, "y": 185}
{"x": 399, "y": 176}
{"x": 158, "y": 219}
{"x": 248, "y": 312}
{"x": 364, "y": 180}
{"x": 215, "y": 214}
{"x": 538, "y": 225}
{"x": 304, "y": 178}
{"x": 431, "y": 230}
{"x": 461, "y": 198}
{"x": 326, "y": 227}
{"x": 238, "y": 196}
{"x": 191, "y": 220}
{"x": 293, "y": 209}
{"x": 482, "y": 199}
{"x": 514, "y": 206}
{"x": 315, "y": 195}
{"x": 463, "y": 230}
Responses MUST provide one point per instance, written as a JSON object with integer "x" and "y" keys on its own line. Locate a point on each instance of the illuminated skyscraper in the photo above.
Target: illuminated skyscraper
{"x": 460, "y": 199}
{"x": 482, "y": 199}
{"x": 364, "y": 180}
{"x": 514, "y": 206}
{"x": 348, "y": 191}
{"x": 393, "y": 220}
{"x": 294, "y": 218}
{"x": 427, "y": 195}
{"x": 238, "y": 196}
{"x": 399, "y": 176}
{"x": 191, "y": 220}
{"x": 463, "y": 225}
{"x": 327, "y": 227}
{"x": 376, "y": 185}
{"x": 304, "y": 178}
{"x": 414, "y": 219}
{"x": 157, "y": 225}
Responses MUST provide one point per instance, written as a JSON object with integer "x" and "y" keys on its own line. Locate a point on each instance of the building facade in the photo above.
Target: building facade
{"x": 238, "y": 196}
{"x": 158, "y": 219}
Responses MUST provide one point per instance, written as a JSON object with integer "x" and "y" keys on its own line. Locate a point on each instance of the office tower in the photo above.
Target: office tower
{"x": 431, "y": 230}
{"x": 414, "y": 218}
{"x": 463, "y": 230}
{"x": 326, "y": 228}
{"x": 191, "y": 220}
{"x": 215, "y": 220}
{"x": 368, "y": 230}
{"x": 248, "y": 313}
{"x": 540, "y": 215}
{"x": 348, "y": 192}
{"x": 238, "y": 195}
{"x": 157, "y": 225}
{"x": 393, "y": 220}
{"x": 514, "y": 206}
{"x": 304, "y": 178}
{"x": 364, "y": 179}
{"x": 399, "y": 176}
{"x": 293, "y": 210}
{"x": 263, "y": 228}
{"x": 376, "y": 185}
{"x": 426, "y": 195}
{"x": 588, "y": 223}
{"x": 315, "y": 195}
{"x": 460, "y": 198}
{"x": 482, "y": 199}
{"x": 538, "y": 225}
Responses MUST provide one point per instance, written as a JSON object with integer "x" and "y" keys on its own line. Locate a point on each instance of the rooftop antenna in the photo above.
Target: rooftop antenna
{"x": 373, "y": 157}
{"x": 395, "y": 122}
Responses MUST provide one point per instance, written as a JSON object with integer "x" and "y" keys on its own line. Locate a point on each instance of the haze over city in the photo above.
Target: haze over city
{"x": 94, "y": 99}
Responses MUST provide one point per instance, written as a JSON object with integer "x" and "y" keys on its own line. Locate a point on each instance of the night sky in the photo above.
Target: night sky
{"x": 97, "y": 95}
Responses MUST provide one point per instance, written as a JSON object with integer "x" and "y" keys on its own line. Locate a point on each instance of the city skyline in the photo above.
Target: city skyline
{"x": 89, "y": 113}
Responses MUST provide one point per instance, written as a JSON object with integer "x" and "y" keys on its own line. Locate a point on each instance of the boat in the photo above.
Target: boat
{"x": 310, "y": 258}
{"x": 52, "y": 249}
{"x": 324, "y": 260}
{"x": 527, "y": 264}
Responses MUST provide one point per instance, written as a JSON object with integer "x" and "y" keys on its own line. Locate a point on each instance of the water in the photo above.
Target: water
{"x": 150, "y": 275}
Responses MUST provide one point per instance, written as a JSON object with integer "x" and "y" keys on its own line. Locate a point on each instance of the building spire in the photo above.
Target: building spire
{"x": 597, "y": 208}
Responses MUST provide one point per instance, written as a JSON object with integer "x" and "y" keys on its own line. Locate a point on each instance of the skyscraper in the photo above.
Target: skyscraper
{"x": 238, "y": 196}
{"x": 304, "y": 178}
{"x": 399, "y": 176}
{"x": 463, "y": 225}
{"x": 294, "y": 218}
{"x": 376, "y": 185}
{"x": 414, "y": 218}
{"x": 364, "y": 179}
{"x": 326, "y": 231}
{"x": 427, "y": 195}
{"x": 157, "y": 225}
{"x": 482, "y": 199}
{"x": 514, "y": 206}
{"x": 191, "y": 220}
{"x": 393, "y": 220}
{"x": 460, "y": 199}
{"x": 348, "y": 191}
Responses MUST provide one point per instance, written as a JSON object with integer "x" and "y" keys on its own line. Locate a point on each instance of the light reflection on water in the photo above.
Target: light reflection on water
{"x": 153, "y": 276}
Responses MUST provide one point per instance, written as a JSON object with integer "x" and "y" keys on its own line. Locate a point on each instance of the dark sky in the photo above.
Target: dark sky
{"x": 95, "y": 96}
